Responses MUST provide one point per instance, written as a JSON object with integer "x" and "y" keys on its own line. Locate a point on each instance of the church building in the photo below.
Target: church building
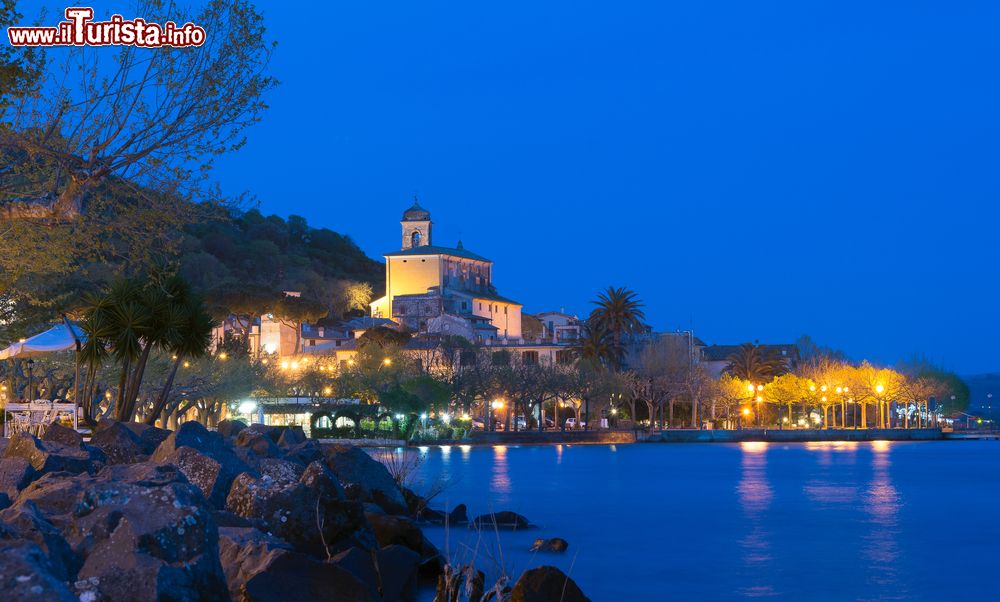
{"x": 444, "y": 290}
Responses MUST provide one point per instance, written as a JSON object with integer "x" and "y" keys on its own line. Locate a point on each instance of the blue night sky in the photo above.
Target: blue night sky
{"x": 756, "y": 171}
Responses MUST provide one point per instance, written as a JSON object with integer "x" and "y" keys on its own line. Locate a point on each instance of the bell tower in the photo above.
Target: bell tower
{"x": 416, "y": 226}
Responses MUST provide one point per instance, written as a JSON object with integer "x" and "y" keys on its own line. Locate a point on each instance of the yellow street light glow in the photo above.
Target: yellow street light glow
{"x": 497, "y": 404}
{"x": 824, "y": 398}
{"x": 295, "y": 365}
{"x": 187, "y": 364}
{"x": 350, "y": 362}
{"x": 759, "y": 399}
{"x": 387, "y": 362}
{"x": 846, "y": 389}
{"x": 327, "y": 391}
{"x": 746, "y": 411}
{"x": 284, "y": 365}
{"x": 823, "y": 388}
{"x": 879, "y": 388}
{"x": 223, "y": 356}
{"x": 264, "y": 361}
{"x": 750, "y": 388}
{"x": 760, "y": 387}
{"x": 840, "y": 389}
{"x": 812, "y": 387}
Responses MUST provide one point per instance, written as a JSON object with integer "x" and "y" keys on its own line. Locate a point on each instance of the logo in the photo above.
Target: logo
{"x": 80, "y": 29}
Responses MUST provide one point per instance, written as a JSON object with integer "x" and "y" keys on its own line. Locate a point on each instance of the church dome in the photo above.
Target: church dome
{"x": 416, "y": 213}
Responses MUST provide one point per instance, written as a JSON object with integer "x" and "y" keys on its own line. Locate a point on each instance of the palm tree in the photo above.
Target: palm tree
{"x": 751, "y": 363}
{"x": 619, "y": 313}
{"x": 594, "y": 344}
{"x": 193, "y": 342}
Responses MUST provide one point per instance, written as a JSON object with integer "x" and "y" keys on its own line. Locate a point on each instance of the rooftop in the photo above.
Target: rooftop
{"x": 437, "y": 250}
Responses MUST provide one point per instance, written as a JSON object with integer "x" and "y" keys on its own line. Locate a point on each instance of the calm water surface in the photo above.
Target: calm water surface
{"x": 822, "y": 521}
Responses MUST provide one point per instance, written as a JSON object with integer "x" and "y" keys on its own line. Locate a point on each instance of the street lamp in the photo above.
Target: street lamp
{"x": 31, "y": 364}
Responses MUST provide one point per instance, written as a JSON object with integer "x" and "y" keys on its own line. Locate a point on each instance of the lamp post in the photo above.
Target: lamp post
{"x": 29, "y": 395}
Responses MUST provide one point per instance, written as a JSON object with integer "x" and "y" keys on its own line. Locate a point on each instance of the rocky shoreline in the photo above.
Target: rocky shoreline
{"x": 251, "y": 514}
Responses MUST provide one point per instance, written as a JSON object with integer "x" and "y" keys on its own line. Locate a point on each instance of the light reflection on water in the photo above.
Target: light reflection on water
{"x": 755, "y": 495}
{"x": 829, "y": 522}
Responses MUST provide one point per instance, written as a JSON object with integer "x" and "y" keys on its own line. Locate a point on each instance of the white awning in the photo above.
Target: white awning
{"x": 57, "y": 338}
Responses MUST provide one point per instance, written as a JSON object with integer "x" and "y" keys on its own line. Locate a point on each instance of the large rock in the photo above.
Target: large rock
{"x": 501, "y": 520}
{"x": 61, "y": 434}
{"x": 260, "y": 443}
{"x": 143, "y": 532}
{"x": 26, "y": 523}
{"x": 368, "y": 476}
{"x": 203, "y": 472}
{"x": 396, "y": 530}
{"x": 215, "y": 477}
{"x": 49, "y": 456}
{"x": 15, "y": 475}
{"x": 305, "y": 452}
{"x": 291, "y": 436}
{"x": 150, "y": 437}
{"x": 315, "y": 523}
{"x": 391, "y": 575}
{"x": 546, "y": 584}
{"x": 554, "y": 544}
{"x": 244, "y": 552}
{"x": 119, "y": 443}
{"x": 459, "y": 516}
{"x": 298, "y": 577}
{"x": 230, "y": 428}
{"x": 26, "y": 575}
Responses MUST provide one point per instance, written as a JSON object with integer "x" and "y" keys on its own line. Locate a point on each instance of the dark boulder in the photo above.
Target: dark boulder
{"x": 190, "y": 434}
{"x": 555, "y": 544}
{"x": 501, "y": 520}
{"x": 208, "y": 445}
{"x": 370, "y": 477}
{"x": 314, "y": 523}
{"x": 305, "y": 452}
{"x": 390, "y": 576}
{"x": 61, "y": 434}
{"x": 545, "y": 584}
{"x": 321, "y": 479}
{"x": 281, "y": 471}
{"x": 398, "y": 530}
{"x": 26, "y": 575}
{"x": 150, "y": 437}
{"x": 203, "y": 472}
{"x": 459, "y": 516}
{"x": 291, "y": 436}
{"x": 119, "y": 444}
{"x": 244, "y": 552}
{"x": 49, "y": 456}
{"x": 298, "y": 577}
{"x": 261, "y": 444}
{"x": 26, "y": 523}
{"x": 15, "y": 475}
{"x": 271, "y": 432}
{"x": 230, "y": 428}
{"x": 146, "y": 534}
{"x": 434, "y": 517}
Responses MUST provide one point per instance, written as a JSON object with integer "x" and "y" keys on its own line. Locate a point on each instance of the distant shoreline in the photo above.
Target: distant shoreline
{"x": 709, "y": 436}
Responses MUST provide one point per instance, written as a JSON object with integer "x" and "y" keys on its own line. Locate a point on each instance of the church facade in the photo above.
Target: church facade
{"x": 444, "y": 290}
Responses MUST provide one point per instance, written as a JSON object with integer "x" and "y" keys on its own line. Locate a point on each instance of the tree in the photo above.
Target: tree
{"x": 20, "y": 68}
{"x": 619, "y": 313}
{"x": 131, "y": 320}
{"x": 752, "y": 363}
{"x": 296, "y": 311}
{"x": 156, "y": 117}
{"x": 351, "y": 296}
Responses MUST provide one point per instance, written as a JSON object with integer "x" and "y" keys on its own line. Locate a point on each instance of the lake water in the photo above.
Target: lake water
{"x": 822, "y": 521}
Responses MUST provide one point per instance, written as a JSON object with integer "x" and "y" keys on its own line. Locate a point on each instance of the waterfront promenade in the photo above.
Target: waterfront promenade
{"x": 704, "y": 436}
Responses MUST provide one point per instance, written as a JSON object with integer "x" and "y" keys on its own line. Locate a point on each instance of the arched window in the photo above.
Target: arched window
{"x": 415, "y": 239}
